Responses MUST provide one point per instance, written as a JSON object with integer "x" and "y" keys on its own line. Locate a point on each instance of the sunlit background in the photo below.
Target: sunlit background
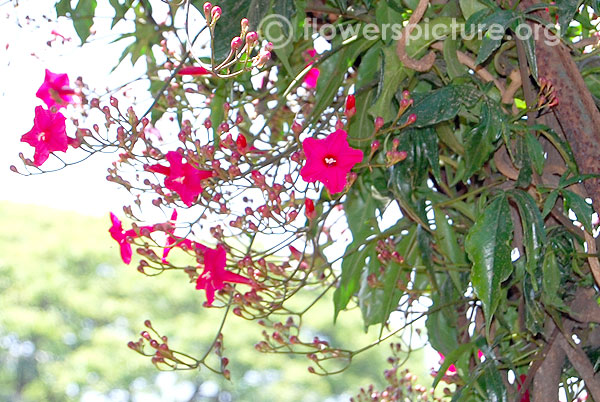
{"x": 68, "y": 306}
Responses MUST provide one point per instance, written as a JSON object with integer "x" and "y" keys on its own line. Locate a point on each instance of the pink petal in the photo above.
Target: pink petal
{"x": 126, "y": 252}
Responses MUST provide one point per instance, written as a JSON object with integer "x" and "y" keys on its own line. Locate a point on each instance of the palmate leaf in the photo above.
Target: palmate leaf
{"x": 488, "y": 247}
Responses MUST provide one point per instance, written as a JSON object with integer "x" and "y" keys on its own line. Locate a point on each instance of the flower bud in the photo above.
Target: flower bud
{"x": 379, "y": 123}
{"x": 251, "y": 38}
{"x": 350, "y": 106}
{"x": 236, "y": 43}
{"x": 215, "y": 14}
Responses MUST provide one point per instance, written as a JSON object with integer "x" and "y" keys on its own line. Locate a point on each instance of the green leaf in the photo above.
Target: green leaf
{"x": 361, "y": 125}
{"x": 352, "y": 267}
{"x": 534, "y": 233}
{"x": 451, "y": 358}
{"x": 442, "y": 104}
{"x": 549, "y": 203}
{"x": 393, "y": 74}
{"x": 536, "y": 152}
{"x": 120, "y": 10}
{"x": 529, "y": 43}
{"x": 488, "y": 246}
{"x": 566, "y": 11}
{"x": 470, "y": 7}
{"x": 360, "y": 212}
{"x": 217, "y": 113}
{"x": 580, "y": 207}
{"x": 491, "y": 382}
{"x": 454, "y": 68}
{"x": 551, "y": 281}
{"x": 488, "y": 46}
{"x": 447, "y": 241}
{"x": 63, "y": 7}
{"x": 480, "y": 142}
{"x": 523, "y": 161}
{"x": 83, "y": 18}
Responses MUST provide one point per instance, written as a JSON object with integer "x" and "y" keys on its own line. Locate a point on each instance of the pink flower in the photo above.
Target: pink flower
{"x": 182, "y": 177}
{"x": 215, "y": 275}
{"x": 312, "y": 76}
{"x": 55, "y": 90}
{"x": 329, "y": 160}
{"x": 47, "y": 135}
{"x": 193, "y": 70}
{"x": 116, "y": 231}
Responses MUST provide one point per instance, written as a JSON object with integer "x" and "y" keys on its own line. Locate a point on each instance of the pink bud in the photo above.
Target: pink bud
{"x": 215, "y": 13}
{"x": 375, "y": 145}
{"x": 405, "y": 94}
{"x": 207, "y": 7}
{"x": 245, "y": 24}
{"x": 251, "y": 38}
{"x": 236, "y": 43}
{"x": 411, "y": 119}
{"x": 296, "y": 128}
{"x": 379, "y": 123}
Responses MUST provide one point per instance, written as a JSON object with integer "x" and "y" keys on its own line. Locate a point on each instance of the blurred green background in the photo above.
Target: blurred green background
{"x": 68, "y": 307}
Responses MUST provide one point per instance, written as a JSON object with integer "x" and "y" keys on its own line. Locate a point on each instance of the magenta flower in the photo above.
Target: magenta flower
{"x": 182, "y": 177}
{"x": 312, "y": 76}
{"x": 329, "y": 160}
{"x": 116, "y": 231}
{"x": 47, "y": 135}
{"x": 215, "y": 275}
{"x": 55, "y": 90}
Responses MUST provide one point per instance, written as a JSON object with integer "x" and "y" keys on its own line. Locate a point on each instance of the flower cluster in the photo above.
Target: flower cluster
{"x": 48, "y": 133}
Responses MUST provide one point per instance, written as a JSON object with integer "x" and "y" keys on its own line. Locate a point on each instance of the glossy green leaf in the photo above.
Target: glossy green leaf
{"x": 534, "y": 234}
{"x": 580, "y": 207}
{"x": 488, "y": 246}
{"x": 352, "y": 267}
{"x": 481, "y": 141}
{"x": 447, "y": 241}
{"x": 393, "y": 74}
{"x": 470, "y": 7}
{"x": 442, "y": 104}
{"x": 454, "y": 68}
{"x": 488, "y": 45}
{"x": 549, "y": 203}
{"x": 566, "y": 11}
{"x": 536, "y": 152}
{"x": 451, "y": 358}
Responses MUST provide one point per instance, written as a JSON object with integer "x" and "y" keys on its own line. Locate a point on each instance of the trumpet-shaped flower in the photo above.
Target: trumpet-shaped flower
{"x": 329, "y": 160}
{"x": 116, "y": 231}
{"x": 182, "y": 177}
{"x": 47, "y": 135}
{"x": 55, "y": 90}
{"x": 214, "y": 275}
